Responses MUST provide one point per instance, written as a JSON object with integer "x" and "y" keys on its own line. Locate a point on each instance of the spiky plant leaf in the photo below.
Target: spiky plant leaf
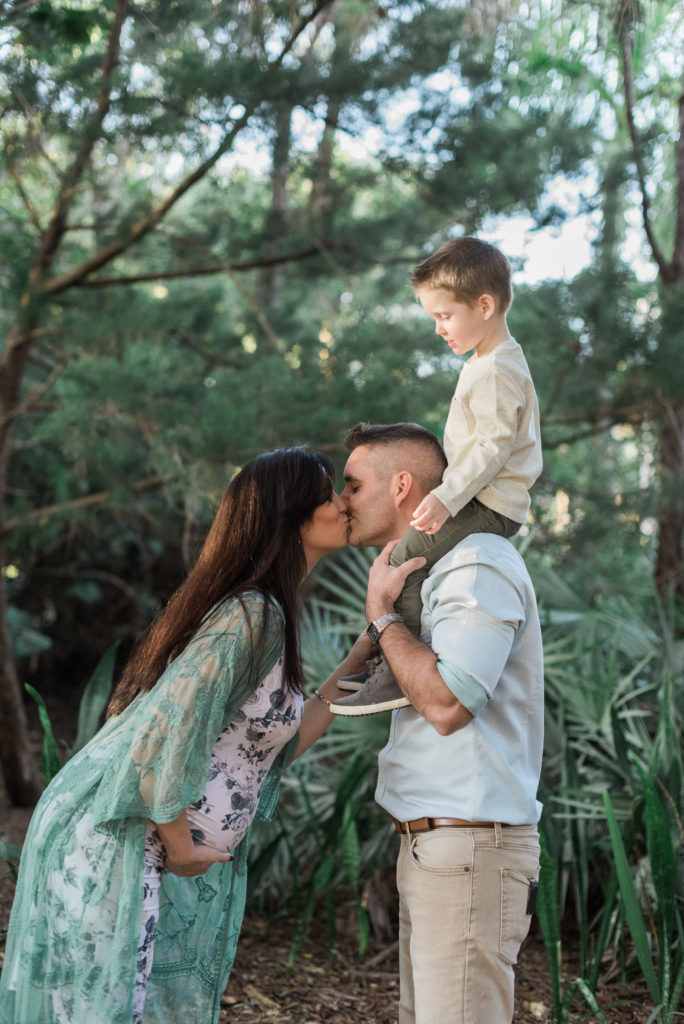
{"x": 94, "y": 699}
{"x": 630, "y": 901}
{"x": 49, "y": 762}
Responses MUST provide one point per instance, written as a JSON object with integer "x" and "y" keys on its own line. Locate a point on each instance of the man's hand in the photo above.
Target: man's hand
{"x": 430, "y": 514}
{"x": 385, "y": 581}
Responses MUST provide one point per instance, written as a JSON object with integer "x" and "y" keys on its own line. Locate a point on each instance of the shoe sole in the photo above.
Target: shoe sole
{"x": 359, "y": 710}
{"x": 351, "y": 687}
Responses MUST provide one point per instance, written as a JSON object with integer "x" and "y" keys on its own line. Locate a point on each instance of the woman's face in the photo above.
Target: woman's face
{"x": 325, "y": 531}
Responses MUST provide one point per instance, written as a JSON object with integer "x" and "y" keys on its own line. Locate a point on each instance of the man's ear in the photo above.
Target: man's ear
{"x": 403, "y": 482}
{"x": 488, "y": 305}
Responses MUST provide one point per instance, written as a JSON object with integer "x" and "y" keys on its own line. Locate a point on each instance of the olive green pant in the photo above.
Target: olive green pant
{"x": 473, "y": 518}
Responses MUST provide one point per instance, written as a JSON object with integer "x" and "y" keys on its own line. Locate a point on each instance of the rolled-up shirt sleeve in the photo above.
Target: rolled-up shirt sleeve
{"x": 473, "y": 628}
{"x": 464, "y": 687}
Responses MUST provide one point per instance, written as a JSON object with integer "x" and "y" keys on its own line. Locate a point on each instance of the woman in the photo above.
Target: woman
{"x": 132, "y": 884}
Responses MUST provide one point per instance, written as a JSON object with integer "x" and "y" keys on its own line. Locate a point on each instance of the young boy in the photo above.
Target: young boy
{"x": 491, "y": 437}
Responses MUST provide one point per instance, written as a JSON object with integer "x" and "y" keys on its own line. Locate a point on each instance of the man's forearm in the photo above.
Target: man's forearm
{"x": 414, "y": 665}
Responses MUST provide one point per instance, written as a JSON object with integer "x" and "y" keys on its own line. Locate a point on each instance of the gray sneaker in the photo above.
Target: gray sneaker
{"x": 352, "y": 683}
{"x": 381, "y": 692}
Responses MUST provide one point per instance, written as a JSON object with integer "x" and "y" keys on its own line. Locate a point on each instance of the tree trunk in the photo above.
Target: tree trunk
{"x": 669, "y": 570}
{"x": 16, "y": 759}
{"x": 669, "y": 567}
{"x": 21, "y": 780}
{"x": 271, "y": 284}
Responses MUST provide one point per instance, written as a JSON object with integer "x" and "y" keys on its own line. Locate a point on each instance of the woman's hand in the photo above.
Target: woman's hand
{"x": 204, "y": 857}
{"x": 182, "y": 856}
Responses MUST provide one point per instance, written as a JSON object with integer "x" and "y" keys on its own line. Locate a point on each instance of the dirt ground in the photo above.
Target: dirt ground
{"x": 343, "y": 990}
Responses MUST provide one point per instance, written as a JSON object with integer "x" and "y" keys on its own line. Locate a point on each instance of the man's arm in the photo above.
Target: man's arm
{"x": 413, "y": 663}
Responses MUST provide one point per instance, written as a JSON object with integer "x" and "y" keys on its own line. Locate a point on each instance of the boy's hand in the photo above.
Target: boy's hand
{"x": 430, "y": 514}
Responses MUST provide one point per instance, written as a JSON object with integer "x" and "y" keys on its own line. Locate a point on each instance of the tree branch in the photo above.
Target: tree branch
{"x": 278, "y": 345}
{"x": 74, "y": 173}
{"x": 33, "y": 215}
{"x": 602, "y": 420}
{"x": 143, "y": 226}
{"x": 47, "y": 511}
{"x": 31, "y": 399}
{"x": 666, "y": 269}
{"x": 580, "y": 435}
{"x": 88, "y": 574}
{"x": 210, "y": 358}
{"x": 200, "y": 271}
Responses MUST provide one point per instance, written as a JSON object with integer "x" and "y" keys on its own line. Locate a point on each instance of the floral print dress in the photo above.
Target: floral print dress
{"x": 74, "y": 932}
{"x": 240, "y": 761}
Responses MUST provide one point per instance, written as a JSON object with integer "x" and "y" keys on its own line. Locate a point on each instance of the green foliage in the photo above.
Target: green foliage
{"x": 269, "y": 306}
{"x": 50, "y": 762}
{"x": 94, "y": 700}
{"x": 631, "y": 902}
{"x": 336, "y": 840}
{"x": 92, "y": 705}
{"x": 26, "y": 638}
{"x": 11, "y": 854}
{"x": 654, "y": 914}
{"x": 244, "y": 321}
{"x": 615, "y": 713}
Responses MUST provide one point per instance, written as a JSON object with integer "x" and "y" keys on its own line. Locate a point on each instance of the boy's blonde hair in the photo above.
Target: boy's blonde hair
{"x": 468, "y": 268}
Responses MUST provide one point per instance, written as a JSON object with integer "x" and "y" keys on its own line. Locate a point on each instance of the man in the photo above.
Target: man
{"x": 459, "y": 774}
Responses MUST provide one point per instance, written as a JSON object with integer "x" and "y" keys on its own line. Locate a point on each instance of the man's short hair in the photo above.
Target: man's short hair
{"x": 467, "y": 267}
{"x": 422, "y": 453}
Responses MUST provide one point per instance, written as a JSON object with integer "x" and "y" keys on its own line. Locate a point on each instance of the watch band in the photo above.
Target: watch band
{"x": 376, "y": 627}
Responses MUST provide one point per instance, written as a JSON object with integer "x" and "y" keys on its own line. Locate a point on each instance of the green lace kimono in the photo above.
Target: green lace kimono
{"x": 74, "y": 931}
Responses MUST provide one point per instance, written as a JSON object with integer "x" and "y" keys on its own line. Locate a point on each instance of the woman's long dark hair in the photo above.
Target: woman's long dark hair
{"x": 253, "y": 544}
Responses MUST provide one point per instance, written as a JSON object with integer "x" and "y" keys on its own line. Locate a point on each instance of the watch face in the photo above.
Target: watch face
{"x": 373, "y": 633}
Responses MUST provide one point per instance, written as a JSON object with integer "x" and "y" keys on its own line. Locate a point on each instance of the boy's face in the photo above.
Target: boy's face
{"x": 463, "y": 327}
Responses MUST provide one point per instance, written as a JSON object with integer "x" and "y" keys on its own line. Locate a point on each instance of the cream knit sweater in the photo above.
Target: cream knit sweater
{"x": 492, "y": 438}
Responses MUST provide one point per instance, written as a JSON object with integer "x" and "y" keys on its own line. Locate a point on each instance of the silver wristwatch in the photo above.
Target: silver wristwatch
{"x": 376, "y": 627}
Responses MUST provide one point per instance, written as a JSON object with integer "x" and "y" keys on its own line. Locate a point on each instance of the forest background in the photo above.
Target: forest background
{"x": 209, "y": 211}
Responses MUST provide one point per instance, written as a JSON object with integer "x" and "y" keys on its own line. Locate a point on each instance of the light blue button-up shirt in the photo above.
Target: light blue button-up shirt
{"x": 480, "y": 618}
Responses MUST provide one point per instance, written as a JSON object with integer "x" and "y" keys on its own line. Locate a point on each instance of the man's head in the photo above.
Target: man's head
{"x": 467, "y": 268}
{"x": 391, "y": 467}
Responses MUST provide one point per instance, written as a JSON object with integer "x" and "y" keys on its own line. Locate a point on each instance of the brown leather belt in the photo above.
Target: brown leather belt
{"x": 427, "y": 824}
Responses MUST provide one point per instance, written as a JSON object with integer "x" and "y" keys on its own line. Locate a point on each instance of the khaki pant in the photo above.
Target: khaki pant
{"x": 463, "y": 897}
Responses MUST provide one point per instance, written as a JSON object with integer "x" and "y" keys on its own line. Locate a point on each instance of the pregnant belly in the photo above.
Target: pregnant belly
{"x": 222, "y": 825}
